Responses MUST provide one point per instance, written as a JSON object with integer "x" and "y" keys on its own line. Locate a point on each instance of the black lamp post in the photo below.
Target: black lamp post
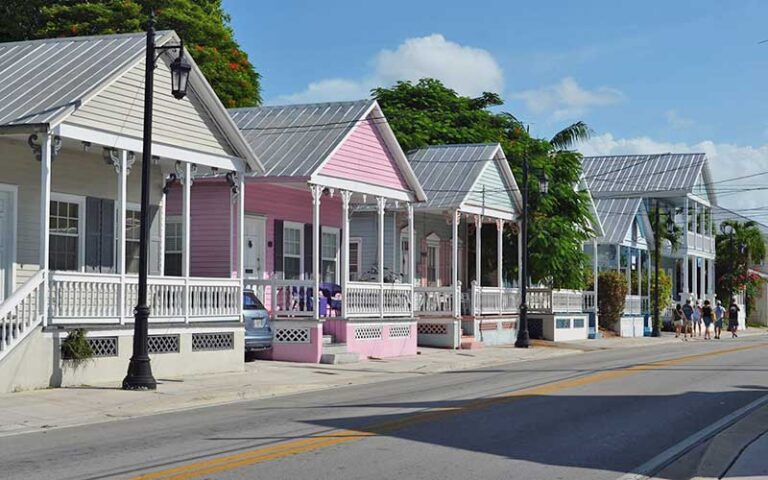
{"x": 139, "y": 375}
{"x": 523, "y": 338}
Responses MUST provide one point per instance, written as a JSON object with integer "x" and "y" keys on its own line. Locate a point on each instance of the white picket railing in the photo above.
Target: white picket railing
{"x": 96, "y": 298}
{"x": 567, "y": 301}
{"x": 589, "y": 303}
{"x": 539, "y": 300}
{"x": 494, "y": 300}
{"x": 20, "y": 313}
{"x": 633, "y": 305}
{"x": 436, "y": 301}
{"x": 363, "y": 299}
{"x": 284, "y": 298}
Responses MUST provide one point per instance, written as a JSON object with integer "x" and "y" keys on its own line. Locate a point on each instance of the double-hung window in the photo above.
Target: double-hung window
{"x": 433, "y": 260}
{"x": 132, "y": 238}
{"x": 355, "y": 252}
{"x": 66, "y": 232}
{"x": 329, "y": 254}
{"x": 174, "y": 236}
{"x": 292, "y": 250}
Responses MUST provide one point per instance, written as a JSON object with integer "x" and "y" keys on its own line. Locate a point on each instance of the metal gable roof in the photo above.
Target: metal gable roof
{"x": 658, "y": 175}
{"x": 448, "y": 172}
{"x": 43, "y": 80}
{"x": 616, "y": 216}
{"x": 294, "y": 140}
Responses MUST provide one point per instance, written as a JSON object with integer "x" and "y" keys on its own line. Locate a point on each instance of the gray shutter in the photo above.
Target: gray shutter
{"x": 155, "y": 241}
{"x": 308, "y": 250}
{"x": 277, "y": 249}
{"x": 92, "y": 234}
{"x": 107, "y": 236}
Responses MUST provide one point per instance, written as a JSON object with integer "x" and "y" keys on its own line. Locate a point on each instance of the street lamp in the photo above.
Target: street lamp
{"x": 523, "y": 337}
{"x": 139, "y": 375}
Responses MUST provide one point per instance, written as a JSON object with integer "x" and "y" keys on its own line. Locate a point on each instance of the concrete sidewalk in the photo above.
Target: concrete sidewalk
{"x": 57, "y": 408}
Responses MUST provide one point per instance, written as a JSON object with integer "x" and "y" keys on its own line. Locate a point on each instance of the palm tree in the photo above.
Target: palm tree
{"x": 740, "y": 246}
{"x": 571, "y": 135}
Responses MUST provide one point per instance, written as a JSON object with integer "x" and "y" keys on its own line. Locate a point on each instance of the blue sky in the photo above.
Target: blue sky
{"x": 648, "y": 76}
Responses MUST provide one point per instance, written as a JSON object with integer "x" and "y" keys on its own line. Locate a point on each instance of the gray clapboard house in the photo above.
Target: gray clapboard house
{"x": 71, "y": 119}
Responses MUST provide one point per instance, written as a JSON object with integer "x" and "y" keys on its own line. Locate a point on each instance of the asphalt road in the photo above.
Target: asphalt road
{"x": 597, "y": 415}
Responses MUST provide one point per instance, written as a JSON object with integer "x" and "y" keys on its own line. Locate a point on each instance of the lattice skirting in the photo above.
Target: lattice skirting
{"x": 432, "y": 329}
{"x": 399, "y": 331}
{"x": 292, "y": 335}
{"x": 213, "y": 341}
{"x": 103, "y": 346}
{"x": 369, "y": 333}
{"x": 164, "y": 344}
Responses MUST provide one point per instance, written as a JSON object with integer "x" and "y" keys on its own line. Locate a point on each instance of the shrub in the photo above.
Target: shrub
{"x": 75, "y": 346}
{"x": 611, "y": 294}
{"x": 665, "y": 292}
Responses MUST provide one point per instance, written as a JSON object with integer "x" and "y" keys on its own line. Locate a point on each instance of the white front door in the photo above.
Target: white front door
{"x": 254, "y": 259}
{"x": 6, "y": 232}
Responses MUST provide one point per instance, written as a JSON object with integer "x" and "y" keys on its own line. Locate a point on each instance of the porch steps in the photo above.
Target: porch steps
{"x": 336, "y": 353}
{"x": 469, "y": 342}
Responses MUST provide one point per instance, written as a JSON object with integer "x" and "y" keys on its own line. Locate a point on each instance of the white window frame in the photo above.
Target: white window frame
{"x": 175, "y": 220}
{"x": 433, "y": 241}
{"x": 13, "y": 242}
{"x": 337, "y": 256}
{"x": 359, "y": 257}
{"x": 300, "y": 227}
{"x": 80, "y": 201}
{"x": 129, "y": 207}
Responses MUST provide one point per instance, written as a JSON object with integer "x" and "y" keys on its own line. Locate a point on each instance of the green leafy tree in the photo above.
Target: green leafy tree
{"x": 736, "y": 253}
{"x": 202, "y": 24}
{"x": 428, "y": 113}
{"x": 611, "y": 296}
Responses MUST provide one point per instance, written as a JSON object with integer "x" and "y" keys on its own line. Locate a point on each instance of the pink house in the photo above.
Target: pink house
{"x": 322, "y": 162}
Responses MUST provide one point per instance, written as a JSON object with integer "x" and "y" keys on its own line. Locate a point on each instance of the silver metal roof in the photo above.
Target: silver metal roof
{"x": 293, "y": 140}
{"x": 43, "y": 80}
{"x": 616, "y": 216}
{"x": 720, "y": 214}
{"x": 659, "y": 175}
{"x": 447, "y": 172}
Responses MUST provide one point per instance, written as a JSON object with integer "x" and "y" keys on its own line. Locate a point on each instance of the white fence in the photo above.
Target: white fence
{"x": 97, "y": 298}
{"x": 284, "y": 298}
{"x": 589, "y": 302}
{"x": 437, "y": 301}
{"x": 20, "y": 313}
{"x": 567, "y": 301}
{"x": 365, "y": 299}
{"x": 494, "y": 300}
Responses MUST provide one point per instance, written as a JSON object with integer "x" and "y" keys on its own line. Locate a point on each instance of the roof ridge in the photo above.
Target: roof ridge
{"x": 303, "y": 105}
{"x": 83, "y": 38}
{"x": 643, "y": 155}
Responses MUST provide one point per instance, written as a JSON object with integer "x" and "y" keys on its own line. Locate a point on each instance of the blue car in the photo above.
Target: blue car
{"x": 258, "y": 332}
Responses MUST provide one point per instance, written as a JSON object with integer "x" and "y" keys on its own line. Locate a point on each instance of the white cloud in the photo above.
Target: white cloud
{"x": 726, "y": 161}
{"x": 567, "y": 99}
{"x": 468, "y": 70}
{"x": 676, "y": 121}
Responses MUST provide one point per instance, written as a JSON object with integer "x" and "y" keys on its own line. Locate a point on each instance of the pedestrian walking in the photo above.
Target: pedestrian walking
{"x": 719, "y": 314}
{"x": 687, "y": 319}
{"x": 733, "y": 318}
{"x": 697, "y": 318}
{"x": 706, "y": 316}
{"x": 677, "y": 319}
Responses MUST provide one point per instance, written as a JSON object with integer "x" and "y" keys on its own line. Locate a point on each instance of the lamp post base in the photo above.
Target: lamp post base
{"x": 139, "y": 375}
{"x": 523, "y": 341}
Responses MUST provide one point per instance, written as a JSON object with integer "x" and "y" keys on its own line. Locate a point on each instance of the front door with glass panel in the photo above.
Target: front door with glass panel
{"x": 6, "y": 230}
{"x": 255, "y": 248}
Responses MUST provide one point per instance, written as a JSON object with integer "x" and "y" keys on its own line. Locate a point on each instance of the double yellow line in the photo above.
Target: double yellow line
{"x": 294, "y": 447}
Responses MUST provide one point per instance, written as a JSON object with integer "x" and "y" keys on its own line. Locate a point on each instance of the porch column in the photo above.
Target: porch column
{"x": 686, "y": 229}
{"x": 702, "y": 271}
{"x": 500, "y": 262}
{"x": 478, "y": 269}
{"x": 595, "y": 274}
{"x": 122, "y": 174}
{"x": 629, "y": 270}
{"x": 695, "y": 278}
{"x": 455, "y": 263}
{"x": 346, "y": 196}
{"x": 240, "y": 199}
{"x": 45, "y": 223}
{"x": 648, "y": 279}
{"x": 712, "y": 287}
{"x": 317, "y": 192}
{"x": 640, "y": 277}
{"x": 381, "y": 202}
{"x": 185, "y": 249}
{"x": 411, "y": 254}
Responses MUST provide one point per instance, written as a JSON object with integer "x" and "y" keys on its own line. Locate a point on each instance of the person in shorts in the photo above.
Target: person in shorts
{"x": 707, "y": 316}
{"x": 719, "y": 315}
{"x": 687, "y": 319}
{"x": 733, "y": 318}
{"x": 677, "y": 319}
{"x": 696, "y": 318}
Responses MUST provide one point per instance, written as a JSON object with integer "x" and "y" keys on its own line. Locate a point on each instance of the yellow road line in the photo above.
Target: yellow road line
{"x": 294, "y": 447}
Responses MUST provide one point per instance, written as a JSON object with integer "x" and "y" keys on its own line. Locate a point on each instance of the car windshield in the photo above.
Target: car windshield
{"x": 250, "y": 302}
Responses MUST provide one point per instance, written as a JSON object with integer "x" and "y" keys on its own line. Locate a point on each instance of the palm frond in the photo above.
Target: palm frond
{"x": 571, "y": 135}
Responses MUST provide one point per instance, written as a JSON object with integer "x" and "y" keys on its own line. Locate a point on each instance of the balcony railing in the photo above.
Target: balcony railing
{"x": 494, "y": 300}
{"x": 437, "y": 301}
{"x": 284, "y": 298}
{"x": 109, "y": 299}
{"x": 701, "y": 242}
{"x": 636, "y": 305}
{"x": 364, "y": 299}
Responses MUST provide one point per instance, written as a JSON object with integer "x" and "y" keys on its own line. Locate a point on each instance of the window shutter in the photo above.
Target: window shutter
{"x": 107, "y": 236}
{"x": 155, "y": 241}
{"x": 92, "y": 234}
{"x": 308, "y": 250}
{"x": 277, "y": 249}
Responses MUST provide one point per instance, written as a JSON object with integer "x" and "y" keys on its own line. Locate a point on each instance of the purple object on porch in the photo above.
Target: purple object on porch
{"x": 332, "y": 292}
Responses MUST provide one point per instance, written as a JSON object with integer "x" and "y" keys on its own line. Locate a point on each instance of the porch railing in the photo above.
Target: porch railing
{"x": 20, "y": 313}
{"x": 635, "y": 305}
{"x": 567, "y": 301}
{"x": 364, "y": 299}
{"x": 284, "y": 298}
{"x": 437, "y": 301}
{"x": 589, "y": 303}
{"x": 97, "y": 298}
{"x": 546, "y": 300}
{"x": 494, "y": 300}
{"x": 539, "y": 300}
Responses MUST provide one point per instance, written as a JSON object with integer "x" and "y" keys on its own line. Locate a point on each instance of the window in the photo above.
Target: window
{"x": 433, "y": 260}
{"x": 132, "y": 239}
{"x": 292, "y": 250}
{"x": 329, "y": 254}
{"x": 563, "y": 323}
{"x": 174, "y": 241}
{"x": 404, "y": 253}
{"x": 578, "y": 323}
{"x": 355, "y": 250}
{"x": 66, "y": 229}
